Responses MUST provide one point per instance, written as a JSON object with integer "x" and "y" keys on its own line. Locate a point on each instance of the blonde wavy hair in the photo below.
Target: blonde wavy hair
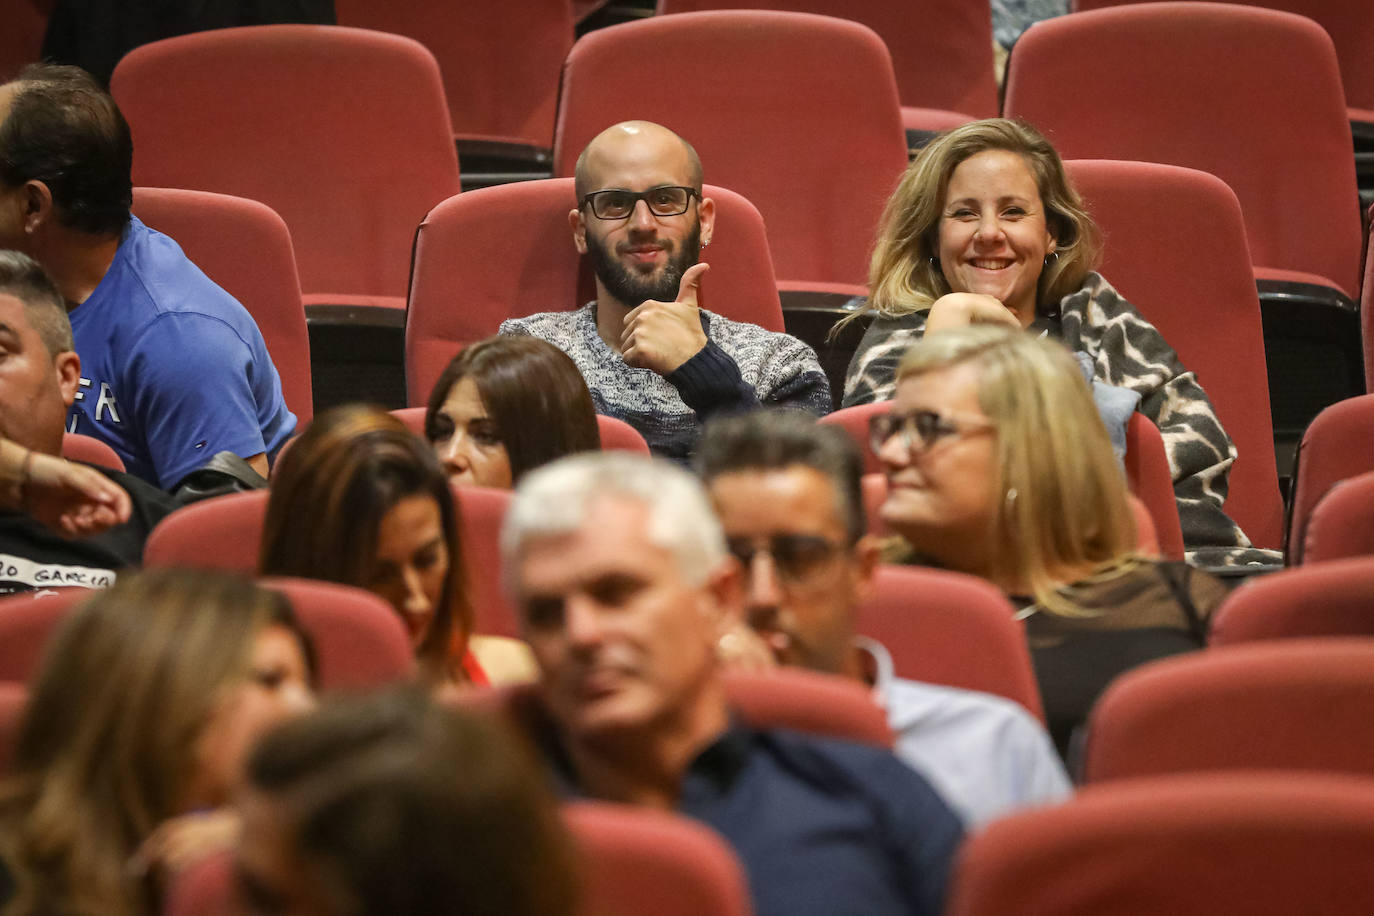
{"x": 107, "y": 747}
{"x": 904, "y": 274}
{"x": 1070, "y": 511}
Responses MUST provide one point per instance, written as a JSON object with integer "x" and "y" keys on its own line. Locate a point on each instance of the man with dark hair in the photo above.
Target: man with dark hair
{"x": 624, "y": 588}
{"x": 39, "y": 377}
{"x": 788, "y": 493}
{"x": 175, "y": 370}
{"x": 650, "y": 356}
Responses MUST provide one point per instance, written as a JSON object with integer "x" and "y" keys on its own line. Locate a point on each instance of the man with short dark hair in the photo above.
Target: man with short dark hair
{"x": 650, "y": 355}
{"x": 624, "y": 588}
{"x": 39, "y": 376}
{"x": 175, "y": 370}
{"x": 788, "y": 493}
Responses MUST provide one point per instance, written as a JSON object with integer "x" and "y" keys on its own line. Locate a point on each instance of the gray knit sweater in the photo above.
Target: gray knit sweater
{"x": 741, "y": 367}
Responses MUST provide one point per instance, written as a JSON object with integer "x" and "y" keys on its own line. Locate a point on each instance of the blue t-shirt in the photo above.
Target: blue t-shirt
{"x": 173, "y": 368}
{"x": 822, "y": 827}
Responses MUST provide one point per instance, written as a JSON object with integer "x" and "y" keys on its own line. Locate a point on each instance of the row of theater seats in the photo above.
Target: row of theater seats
{"x": 1257, "y": 699}
{"x": 467, "y": 278}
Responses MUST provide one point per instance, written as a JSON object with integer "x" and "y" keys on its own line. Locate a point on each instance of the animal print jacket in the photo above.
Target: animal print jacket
{"x": 1127, "y": 352}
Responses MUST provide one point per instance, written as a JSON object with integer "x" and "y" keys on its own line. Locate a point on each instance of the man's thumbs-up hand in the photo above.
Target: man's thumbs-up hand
{"x": 663, "y": 335}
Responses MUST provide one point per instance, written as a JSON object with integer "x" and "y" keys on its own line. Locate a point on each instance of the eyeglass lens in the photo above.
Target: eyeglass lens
{"x": 794, "y": 556}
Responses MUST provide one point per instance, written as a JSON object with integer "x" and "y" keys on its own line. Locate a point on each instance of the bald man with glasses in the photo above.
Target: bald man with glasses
{"x": 651, "y": 356}
{"x": 788, "y": 495}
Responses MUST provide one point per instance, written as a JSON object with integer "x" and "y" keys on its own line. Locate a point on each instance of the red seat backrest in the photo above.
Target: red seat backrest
{"x": 13, "y": 697}
{"x": 344, "y": 132}
{"x": 1262, "y": 844}
{"x": 481, "y": 511}
{"x": 818, "y": 149}
{"x": 1212, "y": 320}
{"x": 1243, "y": 94}
{"x": 91, "y": 450}
{"x": 27, "y": 621}
{"x": 948, "y": 628}
{"x": 941, "y": 49}
{"x": 500, "y": 61}
{"x": 360, "y": 642}
{"x": 220, "y": 533}
{"x": 807, "y": 701}
{"x": 1337, "y": 444}
{"x": 1277, "y": 704}
{"x": 245, "y": 248}
{"x": 1333, "y": 598}
{"x": 468, "y": 277}
{"x": 638, "y": 860}
{"x": 1342, "y": 524}
{"x": 1350, "y": 28}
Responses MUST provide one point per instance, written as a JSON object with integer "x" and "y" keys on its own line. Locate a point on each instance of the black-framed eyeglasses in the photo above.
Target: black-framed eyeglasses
{"x": 796, "y": 557}
{"x": 921, "y": 429}
{"x": 669, "y": 200}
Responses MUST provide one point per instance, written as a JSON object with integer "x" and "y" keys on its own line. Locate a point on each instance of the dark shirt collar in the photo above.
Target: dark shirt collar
{"x": 715, "y": 769}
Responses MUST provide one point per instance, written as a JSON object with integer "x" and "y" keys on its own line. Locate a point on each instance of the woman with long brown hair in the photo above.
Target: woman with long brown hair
{"x": 359, "y": 500}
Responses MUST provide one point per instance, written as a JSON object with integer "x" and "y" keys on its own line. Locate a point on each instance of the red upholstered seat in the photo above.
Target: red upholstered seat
{"x": 947, "y": 628}
{"x": 805, "y": 701}
{"x": 619, "y": 436}
{"x": 1342, "y": 524}
{"x": 1196, "y": 845}
{"x": 815, "y": 145}
{"x": 27, "y": 620}
{"x": 1338, "y": 444}
{"x": 637, "y": 861}
{"x": 244, "y": 247}
{"x": 1334, "y": 598}
{"x": 203, "y": 888}
{"x": 1252, "y": 96}
{"x": 76, "y": 447}
{"x": 481, "y": 511}
{"x": 1277, "y": 704}
{"x": 500, "y": 61}
{"x": 941, "y": 51}
{"x": 469, "y": 277}
{"x": 359, "y": 640}
{"x": 1351, "y": 31}
{"x": 220, "y": 533}
{"x": 344, "y": 132}
{"x": 1213, "y": 320}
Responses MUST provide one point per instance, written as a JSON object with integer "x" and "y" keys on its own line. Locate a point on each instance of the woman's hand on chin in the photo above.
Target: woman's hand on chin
{"x": 957, "y": 310}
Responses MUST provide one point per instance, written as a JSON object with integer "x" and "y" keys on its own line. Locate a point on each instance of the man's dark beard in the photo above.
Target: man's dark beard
{"x": 631, "y": 289}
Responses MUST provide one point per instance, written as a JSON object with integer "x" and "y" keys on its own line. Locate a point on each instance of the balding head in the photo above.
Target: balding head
{"x": 634, "y": 142}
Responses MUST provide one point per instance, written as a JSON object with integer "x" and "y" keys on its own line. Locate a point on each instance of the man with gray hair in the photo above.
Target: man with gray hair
{"x": 624, "y": 586}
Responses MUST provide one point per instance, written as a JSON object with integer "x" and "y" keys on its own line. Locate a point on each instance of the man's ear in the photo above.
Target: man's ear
{"x": 867, "y": 554}
{"x": 579, "y": 230}
{"x": 38, "y": 205}
{"x": 706, "y": 213}
{"x": 725, "y": 589}
{"x": 68, "y": 368}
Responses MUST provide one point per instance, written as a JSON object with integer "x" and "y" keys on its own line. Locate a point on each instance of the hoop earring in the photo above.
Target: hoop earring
{"x": 934, "y": 263}
{"x": 1052, "y": 254}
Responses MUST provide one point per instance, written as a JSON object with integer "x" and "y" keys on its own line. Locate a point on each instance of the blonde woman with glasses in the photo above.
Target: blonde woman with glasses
{"x": 998, "y": 465}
